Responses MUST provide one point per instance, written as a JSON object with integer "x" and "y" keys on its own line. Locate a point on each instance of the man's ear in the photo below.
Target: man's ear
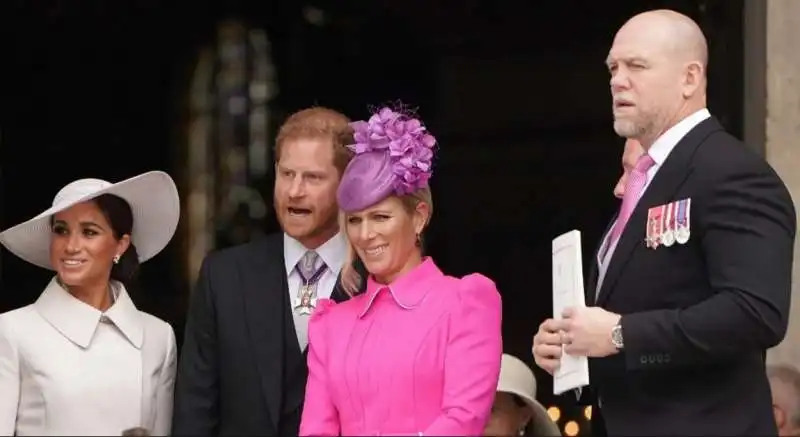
{"x": 693, "y": 79}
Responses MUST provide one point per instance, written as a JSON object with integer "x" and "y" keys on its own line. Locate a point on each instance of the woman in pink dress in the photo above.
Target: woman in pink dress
{"x": 417, "y": 353}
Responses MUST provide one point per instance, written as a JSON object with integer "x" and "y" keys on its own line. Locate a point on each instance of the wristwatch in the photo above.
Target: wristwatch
{"x": 616, "y": 337}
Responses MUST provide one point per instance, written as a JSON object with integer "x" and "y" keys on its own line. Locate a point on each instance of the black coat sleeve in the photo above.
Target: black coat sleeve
{"x": 196, "y": 411}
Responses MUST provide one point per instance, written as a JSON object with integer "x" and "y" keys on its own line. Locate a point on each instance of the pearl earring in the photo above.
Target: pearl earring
{"x": 115, "y": 259}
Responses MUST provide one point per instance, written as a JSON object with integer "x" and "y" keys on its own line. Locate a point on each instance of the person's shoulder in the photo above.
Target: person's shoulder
{"x": 331, "y": 314}
{"x": 15, "y": 319}
{"x": 156, "y": 324}
{"x": 329, "y": 309}
{"x": 723, "y": 154}
{"x": 235, "y": 254}
{"x": 475, "y": 287}
{"x": 21, "y": 326}
{"x": 158, "y": 329}
{"x": 724, "y": 163}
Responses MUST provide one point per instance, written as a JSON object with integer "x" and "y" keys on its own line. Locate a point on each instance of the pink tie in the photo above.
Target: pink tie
{"x": 633, "y": 190}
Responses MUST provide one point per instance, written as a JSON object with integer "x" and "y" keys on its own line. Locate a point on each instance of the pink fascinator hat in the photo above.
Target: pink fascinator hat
{"x": 393, "y": 155}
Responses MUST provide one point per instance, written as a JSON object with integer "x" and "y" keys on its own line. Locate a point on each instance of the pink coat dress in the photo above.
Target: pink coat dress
{"x": 418, "y": 357}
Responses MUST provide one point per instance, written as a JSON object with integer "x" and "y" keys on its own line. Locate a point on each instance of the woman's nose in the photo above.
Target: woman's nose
{"x": 366, "y": 230}
{"x": 73, "y": 243}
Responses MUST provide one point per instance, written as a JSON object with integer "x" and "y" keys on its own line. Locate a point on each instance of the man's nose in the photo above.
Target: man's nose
{"x": 619, "y": 81}
{"x": 296, "y": 189}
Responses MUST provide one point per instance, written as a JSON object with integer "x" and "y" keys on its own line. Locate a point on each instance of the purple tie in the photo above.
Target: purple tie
{"x": 633, "y": 191}
{"x": 308, "y": 269}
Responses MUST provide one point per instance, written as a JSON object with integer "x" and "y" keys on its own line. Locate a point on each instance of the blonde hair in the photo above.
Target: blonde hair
{"x": 351, "y": 279}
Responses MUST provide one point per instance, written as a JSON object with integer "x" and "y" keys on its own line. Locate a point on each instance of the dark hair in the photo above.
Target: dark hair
{"x": 120, "y": 217}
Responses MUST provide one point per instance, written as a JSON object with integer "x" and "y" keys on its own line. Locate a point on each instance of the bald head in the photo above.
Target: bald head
{"x": 658, "y": 73}
{"x": 678, "y": 35}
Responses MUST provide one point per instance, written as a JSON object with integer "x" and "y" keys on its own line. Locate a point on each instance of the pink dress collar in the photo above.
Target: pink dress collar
{"x": 407, "y": 291}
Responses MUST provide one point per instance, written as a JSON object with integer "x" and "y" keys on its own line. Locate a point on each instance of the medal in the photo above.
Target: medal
{"x": 682, "y": 235}
{"x": 306, "y": 300}
{"x": 649, "y": 240}
{"x": 682, "y": 225}
{"x": 655, "y": 223}
{"x": 668, "y": 238}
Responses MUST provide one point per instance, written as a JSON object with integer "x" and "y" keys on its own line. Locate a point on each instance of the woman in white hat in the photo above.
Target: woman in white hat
{"x": 515, "y": 411}
{"x": 82, "y": 360}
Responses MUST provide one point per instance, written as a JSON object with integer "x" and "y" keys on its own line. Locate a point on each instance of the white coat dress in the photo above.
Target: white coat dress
{"x": 67, "y": 368}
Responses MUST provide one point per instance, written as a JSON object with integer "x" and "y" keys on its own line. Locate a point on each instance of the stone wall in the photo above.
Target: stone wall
{"x": 772, "y": 114}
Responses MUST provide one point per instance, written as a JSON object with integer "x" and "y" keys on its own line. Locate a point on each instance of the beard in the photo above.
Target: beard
{"x": 628, "y": 128}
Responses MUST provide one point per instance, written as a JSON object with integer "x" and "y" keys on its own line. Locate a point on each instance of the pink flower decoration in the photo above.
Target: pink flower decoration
{"x": 409, "y": 145}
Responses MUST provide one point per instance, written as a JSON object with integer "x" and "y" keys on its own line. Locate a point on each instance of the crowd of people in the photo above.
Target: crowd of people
{"x": 341, "y": 324}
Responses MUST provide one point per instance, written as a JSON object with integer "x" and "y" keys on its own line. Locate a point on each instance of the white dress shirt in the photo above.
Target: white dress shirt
{"x": 333, "y": 253}
{"x": 67, "y": 368}
{"x": 659, "y": 151}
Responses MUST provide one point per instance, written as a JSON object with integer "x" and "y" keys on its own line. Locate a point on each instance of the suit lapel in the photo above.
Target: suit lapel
{"x": 265, "y": 289}
{"x": 675, "y": 169}
{"x": 338, "y": 294}
{"x": 594, "y": 267}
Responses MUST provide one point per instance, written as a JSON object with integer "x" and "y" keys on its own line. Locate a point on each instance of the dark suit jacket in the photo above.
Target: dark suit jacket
{"x": 241, "y": 371}
{"x": 698, "y": 318}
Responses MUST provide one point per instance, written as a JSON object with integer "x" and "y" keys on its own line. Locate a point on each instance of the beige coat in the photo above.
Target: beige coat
{"x": 68, "y": 369}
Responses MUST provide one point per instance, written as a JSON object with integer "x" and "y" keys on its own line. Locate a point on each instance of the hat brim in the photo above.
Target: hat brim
{"x": 543, "y": 425}
{"x": 155, "y": 204}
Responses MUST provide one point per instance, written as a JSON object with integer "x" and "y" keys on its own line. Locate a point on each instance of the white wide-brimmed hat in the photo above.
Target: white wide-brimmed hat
{"x": 517, "y": 378}
{"x": 152, "y": 196}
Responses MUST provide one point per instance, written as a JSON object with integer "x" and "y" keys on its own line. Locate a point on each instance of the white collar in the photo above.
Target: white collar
{"x": 662, "y": 147}
{"x": 332, "y": 252}
{"x": 77, "y": 321}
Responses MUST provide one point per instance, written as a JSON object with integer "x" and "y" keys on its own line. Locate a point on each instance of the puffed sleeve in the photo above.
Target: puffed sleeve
{"x": 320, "y": 417}
{"x": 166, "y": 387}
{"x": 472, "y": 360}
{"x": 9, "y": 379}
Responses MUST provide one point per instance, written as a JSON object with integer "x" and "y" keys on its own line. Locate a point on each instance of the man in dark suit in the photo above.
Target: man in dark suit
{"x": 242, "y": 369}
{"x": 692, "y": 279}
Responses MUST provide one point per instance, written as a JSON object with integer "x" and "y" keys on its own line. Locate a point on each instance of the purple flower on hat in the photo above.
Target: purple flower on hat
{"x": 409, "y": 147}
